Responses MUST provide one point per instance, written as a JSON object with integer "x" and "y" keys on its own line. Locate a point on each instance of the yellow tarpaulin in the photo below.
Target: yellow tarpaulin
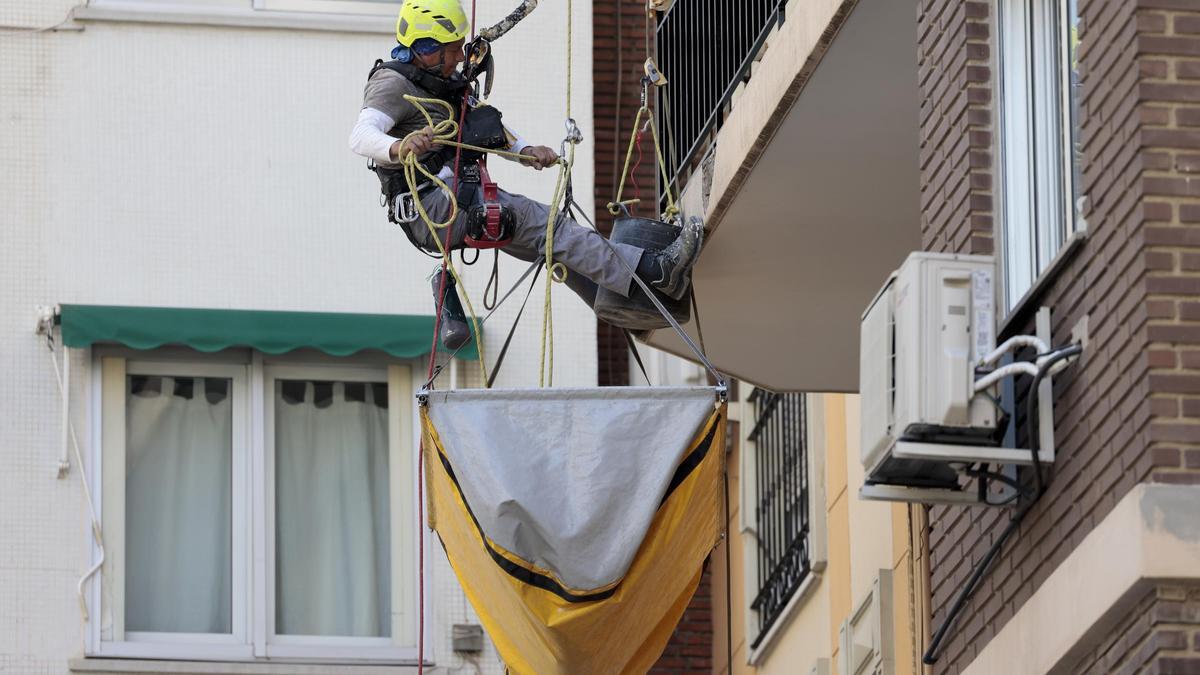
{"x": 543, "y": 627}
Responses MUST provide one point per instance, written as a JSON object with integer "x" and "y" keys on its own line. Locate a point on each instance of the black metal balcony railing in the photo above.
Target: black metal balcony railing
{"x": 782, "y": 511}
{"x": 705, "y": 48}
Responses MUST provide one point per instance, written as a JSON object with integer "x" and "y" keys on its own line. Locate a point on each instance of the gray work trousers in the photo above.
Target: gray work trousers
{"x": 589, "y": 261}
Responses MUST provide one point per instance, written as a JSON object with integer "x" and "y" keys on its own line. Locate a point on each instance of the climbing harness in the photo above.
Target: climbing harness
{"x": 489, "y": 224}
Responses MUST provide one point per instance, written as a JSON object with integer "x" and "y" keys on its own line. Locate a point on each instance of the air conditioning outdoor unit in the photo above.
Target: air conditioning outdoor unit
{"x": 923, "y": 421}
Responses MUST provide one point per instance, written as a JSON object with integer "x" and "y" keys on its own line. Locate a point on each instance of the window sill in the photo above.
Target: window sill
{"x": 1028, "y": 302}
{"x": 235, "y": 17}
{"x": 759, "y": 653}
{"x": 102, "y": 665}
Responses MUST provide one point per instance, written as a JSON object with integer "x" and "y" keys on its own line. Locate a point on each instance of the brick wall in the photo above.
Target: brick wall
{"x": 1161, "y": 634}
{"x": 1129, "y": 411}
{"x": 691, "y": 647}
{"x": 954, "y": 76}
{"x": 618, "y": 53}
{"x": 1169, "y": 50}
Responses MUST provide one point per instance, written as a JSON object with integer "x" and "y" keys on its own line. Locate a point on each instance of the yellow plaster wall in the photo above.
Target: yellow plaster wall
{"x": 736, "y": 573}
{"x": 870, "y": 522}
{"x": 862, "y": 538}
{"x": 837, "y": 516}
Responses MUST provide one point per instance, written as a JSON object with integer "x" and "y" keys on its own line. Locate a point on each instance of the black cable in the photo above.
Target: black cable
{"x": 634, "y": 350}
{"x": 931, "y": 655}
{"x": 492, "y": 292}
{"x": 998, "y": 477}
{"x": 728, "y": 576}
{"x": 516, "y": 322}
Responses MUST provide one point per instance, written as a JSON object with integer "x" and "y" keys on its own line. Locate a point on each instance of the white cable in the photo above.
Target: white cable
{"x": 87, "y": 491}
{"x": 1003, "y": 372}
{"x": 1029, "y": 368}
{"x": 1011, "y": 344}
{"x": 21, "y": 30}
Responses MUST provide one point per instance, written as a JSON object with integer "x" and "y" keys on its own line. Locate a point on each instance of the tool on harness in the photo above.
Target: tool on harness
{"x": 455, "y": 332}
{"x": 483, "y": 127}
{"x": 479, "y": 63}
{"x": 489, "y": 223}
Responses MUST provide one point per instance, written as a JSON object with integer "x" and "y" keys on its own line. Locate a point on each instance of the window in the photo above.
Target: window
{"x": 361, "y": 7}
{"x": 389, "y": 7}
{"x": 776, "y": 507}
{"x": 1039, "y": 174}
{"x": 255, "y": 510}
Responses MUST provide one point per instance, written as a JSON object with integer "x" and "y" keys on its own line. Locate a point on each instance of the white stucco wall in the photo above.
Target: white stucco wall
{"x": 198, "y": 166}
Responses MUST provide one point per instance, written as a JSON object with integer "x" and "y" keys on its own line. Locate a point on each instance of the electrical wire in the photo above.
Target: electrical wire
{"x": 1047, "y": 362}
{"x": 21, "y": 30}
{"x": 97, "y": 533}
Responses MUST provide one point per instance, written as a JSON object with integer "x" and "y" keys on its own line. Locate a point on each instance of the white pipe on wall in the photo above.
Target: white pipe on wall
{"x": 64, "y": 456}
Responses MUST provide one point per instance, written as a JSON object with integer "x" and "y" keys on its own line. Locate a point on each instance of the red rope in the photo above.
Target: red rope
{"x": 637, "y": 190}
{"x": 437, "y": 327}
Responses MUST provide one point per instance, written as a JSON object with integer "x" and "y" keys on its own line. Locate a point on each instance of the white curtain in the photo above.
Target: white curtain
{"x": 178, "y": 462}
{"x": 332, "y": 547}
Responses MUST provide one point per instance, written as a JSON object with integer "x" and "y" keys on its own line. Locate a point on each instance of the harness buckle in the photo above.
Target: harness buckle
{"x": 405, "y": 207}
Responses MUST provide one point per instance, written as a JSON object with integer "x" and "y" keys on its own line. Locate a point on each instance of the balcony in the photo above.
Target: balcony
{"x": 794, "y": 132}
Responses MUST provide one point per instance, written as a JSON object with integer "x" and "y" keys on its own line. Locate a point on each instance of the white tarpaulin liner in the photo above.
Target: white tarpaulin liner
{"x": 568, "y": 479}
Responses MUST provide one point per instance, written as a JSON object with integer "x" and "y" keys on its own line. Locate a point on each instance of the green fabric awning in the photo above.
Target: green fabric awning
{"x": 211, "y": 330}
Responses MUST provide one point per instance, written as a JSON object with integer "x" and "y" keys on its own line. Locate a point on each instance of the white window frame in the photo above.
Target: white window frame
{"x": 1036, "y": 187}
{"x": 403, "y": 642}
{"x": 346, "y": 16}
{"x": 386, "y": 8}
{"x": 252, "y": 637}
{"x": 383, "y": 7}
{"x": 119, "y": 642}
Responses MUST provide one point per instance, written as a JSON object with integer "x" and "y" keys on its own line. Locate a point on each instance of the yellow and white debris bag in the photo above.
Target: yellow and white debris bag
{"x": 577, "y": 520}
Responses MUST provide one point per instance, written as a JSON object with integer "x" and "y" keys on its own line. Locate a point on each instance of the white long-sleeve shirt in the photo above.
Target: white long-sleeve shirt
{"x": 369, "y": 138}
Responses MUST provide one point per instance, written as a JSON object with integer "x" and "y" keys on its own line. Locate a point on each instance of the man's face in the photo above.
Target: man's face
{"x": 445, "y": 60}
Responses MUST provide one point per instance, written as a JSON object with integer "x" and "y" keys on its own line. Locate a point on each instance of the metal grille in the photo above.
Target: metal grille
{"x": 781, "y": 514}
{"x": 705, "y": 48}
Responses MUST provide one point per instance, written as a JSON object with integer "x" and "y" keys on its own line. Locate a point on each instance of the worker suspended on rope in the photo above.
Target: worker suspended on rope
{"x": 425, "y": 65}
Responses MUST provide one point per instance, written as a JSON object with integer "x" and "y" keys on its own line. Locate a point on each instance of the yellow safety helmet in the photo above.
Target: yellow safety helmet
{"x": 441, "y": 20}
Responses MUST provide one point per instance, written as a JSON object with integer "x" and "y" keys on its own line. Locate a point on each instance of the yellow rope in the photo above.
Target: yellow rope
{"x": 557, "y": 272}
{"x": 443, "y": 133}
{"x": 614, "y": 207}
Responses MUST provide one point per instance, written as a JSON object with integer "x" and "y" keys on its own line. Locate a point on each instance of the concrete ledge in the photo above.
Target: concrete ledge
{"x": 807, "y": 588}
{"x": 1152, "y": 535}
{"x": 226, "y": 668}
{"x": 793, "y": 53}
{"x": 235, "y": 17}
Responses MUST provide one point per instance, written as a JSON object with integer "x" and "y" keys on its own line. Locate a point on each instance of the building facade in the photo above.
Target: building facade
{"x": 1107, "y": 246}
{"x": 823, "y": 141}
{"x": 193, "y": 156}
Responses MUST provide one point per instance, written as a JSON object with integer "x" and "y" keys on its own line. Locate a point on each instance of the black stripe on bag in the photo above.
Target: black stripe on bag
{"x": 689, "y": 463}
{"x": 514, "y": 570}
